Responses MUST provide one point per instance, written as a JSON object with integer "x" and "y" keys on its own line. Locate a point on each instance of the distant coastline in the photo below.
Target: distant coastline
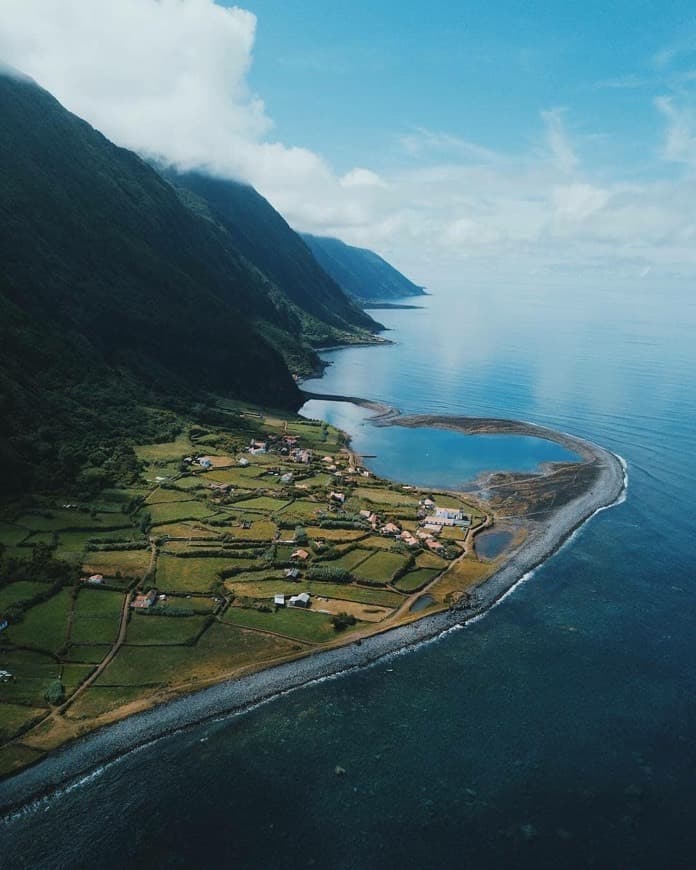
{"x": 233, "y": 696}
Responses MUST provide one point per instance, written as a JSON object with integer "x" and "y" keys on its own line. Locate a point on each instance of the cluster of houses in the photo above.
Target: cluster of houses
{"x": 285, "y": 445}
{"x": 201, "y": 461}
{"x": 146, "y": 600}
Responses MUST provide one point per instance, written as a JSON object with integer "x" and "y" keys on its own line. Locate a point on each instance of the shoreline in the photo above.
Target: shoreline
{"x": 66, "y": 766}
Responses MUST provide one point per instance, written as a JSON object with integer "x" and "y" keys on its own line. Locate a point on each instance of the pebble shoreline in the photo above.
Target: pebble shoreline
{"x": 76, "y": 760}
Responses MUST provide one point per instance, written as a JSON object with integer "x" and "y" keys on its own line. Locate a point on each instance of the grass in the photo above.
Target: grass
{"x": 453, "y": 533}
{"x": 163, "y": 629}
{"x": 130, "y": 563}
{"x": 302, "y": 510}
{"x": 430, "y": 560}
{"x": 72, "y": 545}
{"x": 175, "y": 574}
{"x": 188, "y": 530}
{"x": 19, "y": 591}
{"x": 244, "y": 477}
{"x": 380, "y": 567}
{"x": 164, "y": 496}
{"x": 90, "y": 653}
{"x": 319, "y": 534}
{"x": 461, "y": 577}
{"x": 261, "y": 530}
{"x": 178, "y": 511}
{"x": 382, "y": 495}
{"x": 16, "y": 756}
{"x": 97, "y": 700}
{"x": 74, "y": 675}
{"x": 415, "y": 580}
{"x": 293, "y": 622}
{"x": 33, "y": 671}
{"x": 221, "y": 649}
{"x": 14, "y": 716}
{"x": 166, "y": 451}
{"x": 57, "y": 520}
{"x": 349, "y": 560}
{"x": 96, "y": 616}
{"x": 44, "y": 625}
{"x": 262, "y": 503}
{"x": 11, "y": 535}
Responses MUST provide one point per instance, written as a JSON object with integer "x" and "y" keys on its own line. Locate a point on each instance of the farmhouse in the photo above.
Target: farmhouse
{"x": 3, "y": 623}
{"x": 303, "y": 456}
{"x": 5, "y": 676}
{"x": 286, "y": 478}
{"x": 279, "y": 600}
{"x": 205, "y": 462}
{"x": 243, "y": 462}
{"x": 435, "y": 546}
{"x": 390, "y": 529}
{"x": 94, "y": 580}
{"x": 337, "y": 496}
{"x": 291, "y": 573}
{"x": 144, "y": 602}
{"x": 408, "y": 539}
{"x": 301, "y": 600}
{"x": 300, "y": 554}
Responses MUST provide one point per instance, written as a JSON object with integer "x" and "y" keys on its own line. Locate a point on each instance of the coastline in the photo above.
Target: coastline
{"x": 66, "y": 766}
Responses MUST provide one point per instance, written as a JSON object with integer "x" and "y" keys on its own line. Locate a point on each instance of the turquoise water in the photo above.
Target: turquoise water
{"x": 558, "y": 731}
{"x": 435, "y": 457}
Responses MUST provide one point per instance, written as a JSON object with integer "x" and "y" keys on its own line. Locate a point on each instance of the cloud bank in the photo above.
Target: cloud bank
{"x": 168, "y": 78}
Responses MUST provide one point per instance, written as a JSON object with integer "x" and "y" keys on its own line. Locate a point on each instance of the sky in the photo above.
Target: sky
{"x": 515, "y": 141}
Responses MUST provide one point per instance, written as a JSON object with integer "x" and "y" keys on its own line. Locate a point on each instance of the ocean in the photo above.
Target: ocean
{"x": 557, "y": 731}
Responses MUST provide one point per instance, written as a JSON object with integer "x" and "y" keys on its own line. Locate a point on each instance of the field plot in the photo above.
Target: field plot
{"x": 178, "y": 511}
{"x": 261, "y": 530}
{"x": 293, "y": 622}
{"x": 335, "y": 535}
{"x": 96, "y": 616}
{"x": 72, "y": 544}
{"x": 57, "y": 520}
{"x": 430, "y": 560}
{"x": 415, "y": 580}
{"x": 453, "y": 533}
{"x": 191, "y": 574}
{"x": 262, "y": 504}
{"x": 221, "y": 649}
{"x": 363, "y": 612}
{"x": 152, "y": 629}
{"x": 244, "y": 477}
{"x": 15, "y": 716}
{"x": 166, "y": 451}
{"x": 87, "y": 653}
{"x": 22, "y": 590}
{"x": 162, "y": 496}
{"x": 129, "y": 563}
{"x": 302, "y": 510}
{"x": 382, "y": 495}
{"x": 44, "y": 625}
{"x": 380, "y": 567}
{"x": 97, "y": 700}
{"x": 188, "y": 530}
{"x": 349, "y": 560}
{"x": 33, "y": 671}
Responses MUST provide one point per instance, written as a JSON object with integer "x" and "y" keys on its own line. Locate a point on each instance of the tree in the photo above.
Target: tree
{"x": 55, "y": 692}
{"x": 342, "y": 620}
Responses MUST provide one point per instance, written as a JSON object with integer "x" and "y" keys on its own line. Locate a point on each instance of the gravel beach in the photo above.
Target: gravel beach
{"x": 78, "y": 759}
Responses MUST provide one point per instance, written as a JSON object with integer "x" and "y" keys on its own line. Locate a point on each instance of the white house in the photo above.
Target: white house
{"x": 301, "y": 600}
{"x": 279, "y": 600}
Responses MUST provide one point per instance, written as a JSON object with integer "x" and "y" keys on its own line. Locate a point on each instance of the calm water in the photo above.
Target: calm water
{"x": 559, "y": 731}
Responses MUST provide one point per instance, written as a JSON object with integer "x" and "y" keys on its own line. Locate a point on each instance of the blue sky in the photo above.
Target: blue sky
{"x": 349, "y": 78}
{"x": 547, "y": 142}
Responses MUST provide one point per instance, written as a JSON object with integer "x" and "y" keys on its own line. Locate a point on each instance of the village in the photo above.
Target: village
{"x": 240, "y": 545}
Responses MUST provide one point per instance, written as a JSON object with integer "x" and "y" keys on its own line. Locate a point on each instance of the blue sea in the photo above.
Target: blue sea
{"x": 557, "y": 731}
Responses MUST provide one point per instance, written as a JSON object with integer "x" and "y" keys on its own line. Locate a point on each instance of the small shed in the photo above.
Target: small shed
{"x": 279, "y": 600}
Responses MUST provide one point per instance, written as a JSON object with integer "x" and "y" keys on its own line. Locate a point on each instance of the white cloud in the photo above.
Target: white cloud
{"x": 169, "y": 78}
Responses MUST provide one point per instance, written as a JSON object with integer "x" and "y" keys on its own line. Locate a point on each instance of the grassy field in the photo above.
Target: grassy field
{"x": 130, "y": 563}
{"x": 453, "y": 533}
{"x": 89, "y": 653}
{"x": 178, "y": 511}
{"x": 334, "y": 535}
{"x": 415, "y": 580}
{"x": 164, "y": 496}
{"x": 57, "y": 520}
{"x": 188, "y": 530}
{"x": 380, "y": 567}
{"x": 14, "y": 716}
{"x": 33, "y": 671}
{"x": 262, "y": 504}
{"x": 97, "y": 700}
{"x": 302, "y": 509}
{"x": 349, "y": 560}
{"x": 175, "y": 574}
{"x": 299, "y": 624}
{"x": 72, "y": 545}
{"x": 430, "y": 560}
{"x": 221, "y": 649}
{"x": 166, "y": 451}
{"x": 19, "y": 591}
{"x": 382, "y": 495}
{"x": 96, "y": 616}
{"x": 43, "y": 626}
{"x": 163, "y": 629}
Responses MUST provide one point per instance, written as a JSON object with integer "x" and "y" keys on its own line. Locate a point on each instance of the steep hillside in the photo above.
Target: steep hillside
{"x": 112, "y": 290}
{"x": 265, "y": 239}
{"x": 359, "y": 271}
